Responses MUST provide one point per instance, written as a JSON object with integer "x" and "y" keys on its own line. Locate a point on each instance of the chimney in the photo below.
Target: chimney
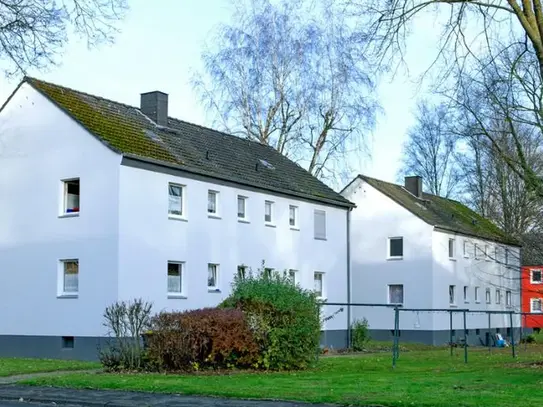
{"x": 154, "y": 105}
{"x": 414, "y": 185}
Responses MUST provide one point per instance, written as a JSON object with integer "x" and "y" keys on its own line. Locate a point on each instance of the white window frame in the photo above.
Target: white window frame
{"x": 465, "y": 249}
{"x": 181, "y": 268}
{"x": 62, "y": 292}
{"x": 452, "y": 247}
{"x": 293, "y": 275}
{"x": 508, "y": 299}
{"x": 477, "y": 295}
{"x": 488, "y": 296}
{"x": 452, "y": 295}
{"x": 389, "y": 255}
{"x": 323, "y": 289}
{"x": 216, "y": 194}
{"x": 216, "y": 268}
{"x": 532, "y": 281}
{"x": 294, "y": 226}
{"x": 182, "y": 201}
{"x": 242, "y": 271}
{"x": 487, "y": 252}
{"x": 389, "y": 296}
{"x": 64, "y": 209}
{"x": 535, "y": 300}
{"x": 498, "y": 296}
{"x": 243, "y": 199}
{"x": 478, "y": 251}
{"x": 317, "y": 235}
{"x": 271, "y": 205}
{"x": 466, "y": 294}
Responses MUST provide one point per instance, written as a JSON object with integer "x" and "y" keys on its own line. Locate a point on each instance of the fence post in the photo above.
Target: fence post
{"x": 465, "y": 339}
{"x": 489, "y": 327}
{"x": 512, "y": 334}
{"x": 394, "y": 342}
{"x": 451, "y": 331}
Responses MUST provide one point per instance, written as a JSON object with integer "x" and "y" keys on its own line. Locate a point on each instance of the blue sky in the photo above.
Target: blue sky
{"x": 160, "y": 45}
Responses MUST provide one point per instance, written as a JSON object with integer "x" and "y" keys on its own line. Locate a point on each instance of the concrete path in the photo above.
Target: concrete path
{"x": 113, "y": 398}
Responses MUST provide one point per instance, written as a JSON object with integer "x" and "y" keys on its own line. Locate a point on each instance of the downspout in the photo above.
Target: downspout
{"x": 349, "y": 277}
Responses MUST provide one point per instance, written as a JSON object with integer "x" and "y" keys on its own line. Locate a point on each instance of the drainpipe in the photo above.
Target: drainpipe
{"x": 349, "y": 277}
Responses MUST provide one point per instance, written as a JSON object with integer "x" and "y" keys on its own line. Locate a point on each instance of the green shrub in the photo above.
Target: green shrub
{"x": 529, "y": 339}
{"x": 360, "y": 334}
{"x": 201, "y": 339}
{"x": 284, "y": 318}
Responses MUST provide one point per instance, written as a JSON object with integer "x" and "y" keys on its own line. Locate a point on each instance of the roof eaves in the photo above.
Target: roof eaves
{"x": 344, "y": 204}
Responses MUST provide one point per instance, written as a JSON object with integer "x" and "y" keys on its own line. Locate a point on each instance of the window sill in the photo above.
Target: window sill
{"x": 179, "y": 218}
{"x": 536, "y": 282}
{"x": 67, "y": 296}
{"x": 466, "y": 302}
{"x": 211, "y": 216}
{"x": 323, "y": 299}
{"x": 466, "y": 256}
{"x": 297, "y": 229}
{"x": 243, "y": 220}
{"x": 213, "y": 290}
{"x": 452, "y": 258}
{"x": 69, "y": 215}
{"x": 172, "y": 296}
{"x": 270, "y": 225}
{"x": 320, "y": 238}
{"x": 477, "y": 302}
{"x": 453, "y": 305}
{"x": 395, "y": 258}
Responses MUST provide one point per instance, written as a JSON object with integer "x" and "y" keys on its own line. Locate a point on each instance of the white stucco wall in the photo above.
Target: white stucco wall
{"x": 40, "y": 146}
{"x": 373, "y": 221}
{"x": 149, "y": 239}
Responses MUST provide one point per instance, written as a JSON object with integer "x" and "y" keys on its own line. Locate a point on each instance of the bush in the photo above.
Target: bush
{"x": 201, "y": 339}
{"x": 360, "y": 334}
{"x": 284, "y": 318}
{"x": 126, "y": 322}
{"x": 529, "y": 339}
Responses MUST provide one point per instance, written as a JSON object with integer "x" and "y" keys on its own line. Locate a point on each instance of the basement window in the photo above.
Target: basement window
{"x": 71, "y": 196}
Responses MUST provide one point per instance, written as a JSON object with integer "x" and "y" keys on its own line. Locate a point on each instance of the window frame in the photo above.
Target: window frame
{"x": 478, "y": 251}
{"x": 466, "y": 294}
{"x": 389, "y": 296}
{"x": 477, "y": 295}
{"x": 465, "y": 249}
{"x": 296, "y": 225}
{"x": 488, "y": 296}
{"x": 498, "y": 296}
{"x": 241, "y": 272}
{"x": 64, "y": 209}
{"x": 323, "y": 290}
{"x": 215, "y": 287}
{"x": 293, "y": 274}
{"x": 487, "y": 252}
{"x": 452, "y": 295}
{"x": 389, "y": 248}
{"x": 508, "y": 298}
{"x": 452, "y": 248}
{"x": 62, "y": 292}
{"x": 534, "y": 300}
{"x": 532, "y": 281}
{"x": 182, "y": 201}
{"x": 181, "y": 268}
{"x": 319, "y": 235}
{"x": 271, "y": 205}
{"x": 244, "y": 218}
{"x": 216, "y": 194}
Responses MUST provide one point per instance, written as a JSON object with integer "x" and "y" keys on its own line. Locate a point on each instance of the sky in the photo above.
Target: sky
{"x": 159, "y": 48}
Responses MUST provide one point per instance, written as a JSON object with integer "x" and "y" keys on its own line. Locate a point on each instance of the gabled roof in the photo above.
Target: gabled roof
{"x": 442, "y": 213}
{"x": 188, "y": 147}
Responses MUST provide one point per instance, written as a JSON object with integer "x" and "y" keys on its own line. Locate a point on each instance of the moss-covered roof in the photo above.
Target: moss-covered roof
{"x": 189, "y": 147}
{"x": 443, "y": 213}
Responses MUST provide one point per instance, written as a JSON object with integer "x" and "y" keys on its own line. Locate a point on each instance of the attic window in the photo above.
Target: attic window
{"x": 267, "y": 164}
{"x": 71, "y": 196}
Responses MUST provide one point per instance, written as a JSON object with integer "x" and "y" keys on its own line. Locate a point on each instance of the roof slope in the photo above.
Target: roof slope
{"x": 187, "y": 146}
{"x": 443, "y": 213}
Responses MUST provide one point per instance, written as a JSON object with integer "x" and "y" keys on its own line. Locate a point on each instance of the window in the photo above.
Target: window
{"x": 488, "y": 297}
{"x": 175, "y": 203}
{"x": 293, "y": 216}
{"x": 71, "y": 196}
{"x": 477, "y": 299}
{"x": 506, "y": 256}
{"x": 395, "y": 294}
{"x": 535, "y": 304}
{"x": 536, "y": 276}
{"x": 67, "y": 342}
{"x": 292, "y": 275}
{"x": 465, "y": 248}
{"x": 212, "y": 276}
{"x": 508, "y": 299}
{"x": 395, "y": 247}
{"x": 268, "y": 211}
{"x": 478, "y": 252}
{"x": 268, "y": 272}
{"x": 466, "y": 294}
{"x": 451, "y": 249}
{"x": 498, "y": 296}
{"x": 242, "y": 207}
{"x": 212, "y": 202}
{"x": 318, "y": 284}
{"x": 320, "y": 224}
{"x": 452, "y": 295}
{"x": 477, "y": 331}
{"x": 175, "y": 278}
{"x": 70, "y": 280}
{"x": 487, "y": 253}
{"x": 242, "y": 271}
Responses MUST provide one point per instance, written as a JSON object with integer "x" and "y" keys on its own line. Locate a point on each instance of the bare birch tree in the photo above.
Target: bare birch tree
{"x": 291, "y": 74}
{"x": 34, "y": 32}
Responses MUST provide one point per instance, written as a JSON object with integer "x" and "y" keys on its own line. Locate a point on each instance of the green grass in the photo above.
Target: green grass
{"x": 17, "y": 366}
{"x": 422, "y": 378}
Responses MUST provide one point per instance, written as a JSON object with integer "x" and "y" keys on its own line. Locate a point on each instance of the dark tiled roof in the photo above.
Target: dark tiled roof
{"x": 443, "y": 213}
{"x": 187, "y": 146}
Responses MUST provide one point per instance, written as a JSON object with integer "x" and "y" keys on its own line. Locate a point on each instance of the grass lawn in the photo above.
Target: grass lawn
{"x": 422, "y": 378}
{"x": 16, "y": 366}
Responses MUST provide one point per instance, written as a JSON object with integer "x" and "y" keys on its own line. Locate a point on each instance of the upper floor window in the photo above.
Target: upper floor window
{"x": 488, "y": 253}
{"x": 452, "y": 250}
{"x": 465, "y": 247}
{"x": 293, "y": 216}
{"x": 488, "y": 296}
{"x": 395, "y": 247}
{"x": 498, "y": 296}
{"x": 71, "y": 196}
{"x": 452, "y": 295}
{"x": 466, "y": 294}
{"x": 70, "y": 277}
{"x": 175, "y": 200}
{"x": 242, "y": 207}
{"x": 212, "y": 202}
{"x": 319, "y": 224}
{"x": 395, "y": 294}
{"x": 508, "y": 299}
{"x": 536, "y": 276}
{"x": 478, "y": 251}
{"x": 477, "y": 299}
{"x": 175, "y": 278}
{"x": 535, "y": 305}
{"x": 268, "y": 212}
{"x": 318, "y": 279}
